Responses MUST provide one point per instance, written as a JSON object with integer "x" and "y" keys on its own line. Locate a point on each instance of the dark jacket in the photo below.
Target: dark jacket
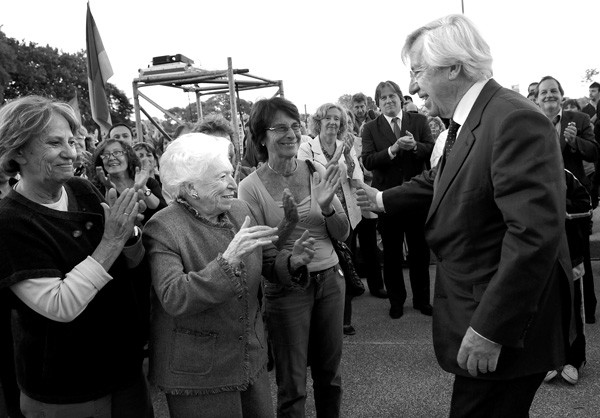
{"x": 101, "y": 349}
{"x": 378, "y": 136}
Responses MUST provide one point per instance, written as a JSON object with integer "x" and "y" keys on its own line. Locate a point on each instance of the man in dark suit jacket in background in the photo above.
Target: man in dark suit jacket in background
{"x": 502, "y": 298}
{"x": 577, "y": 143}
{"x": 397, "y": 146}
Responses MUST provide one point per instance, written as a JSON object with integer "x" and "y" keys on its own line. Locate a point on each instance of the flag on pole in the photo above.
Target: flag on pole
{"x": 99, "y": 71}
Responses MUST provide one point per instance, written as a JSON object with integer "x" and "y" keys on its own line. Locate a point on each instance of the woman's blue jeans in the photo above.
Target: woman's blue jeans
{"x": 305, "y": 329}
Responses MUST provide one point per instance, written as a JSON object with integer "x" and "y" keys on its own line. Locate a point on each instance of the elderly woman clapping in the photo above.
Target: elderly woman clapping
{"x": 68, "y": 261}
{"x": 207, "y": 344}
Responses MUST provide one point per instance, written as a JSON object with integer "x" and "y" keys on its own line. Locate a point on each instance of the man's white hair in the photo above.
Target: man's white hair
{"x": 452, "y": 40}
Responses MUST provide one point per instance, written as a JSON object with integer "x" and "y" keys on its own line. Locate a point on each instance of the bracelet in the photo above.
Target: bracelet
{"x": 328, "y": 215}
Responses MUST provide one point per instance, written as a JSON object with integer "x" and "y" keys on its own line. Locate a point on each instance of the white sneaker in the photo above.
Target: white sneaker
{"x": 570, "y": 374}
{"x": 550, "y": 375}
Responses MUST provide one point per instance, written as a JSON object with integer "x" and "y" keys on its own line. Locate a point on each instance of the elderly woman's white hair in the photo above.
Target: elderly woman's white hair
{"x": 188, "y": 159}
{"x": 451, "y": 40}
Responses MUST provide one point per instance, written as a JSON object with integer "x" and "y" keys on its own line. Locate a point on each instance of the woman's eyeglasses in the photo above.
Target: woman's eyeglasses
{"x": 114, "y": 154}
{"x": 283, "y": 129}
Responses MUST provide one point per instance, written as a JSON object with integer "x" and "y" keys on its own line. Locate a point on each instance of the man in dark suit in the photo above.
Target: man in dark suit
{"x": 577, "y": 144}
{"x": 501, "y": 311}
{"x": 397, "y": 146}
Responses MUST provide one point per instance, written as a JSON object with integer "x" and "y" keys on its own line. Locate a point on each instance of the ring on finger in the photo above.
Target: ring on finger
{"x": 125, "y": 213}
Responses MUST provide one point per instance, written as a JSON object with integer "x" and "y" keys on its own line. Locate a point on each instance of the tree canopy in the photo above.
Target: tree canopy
{"x": 218, "y": 103}
{"x": 27, "y": 68}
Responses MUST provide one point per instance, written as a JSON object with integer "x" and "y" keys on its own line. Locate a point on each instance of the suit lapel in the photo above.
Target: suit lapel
{"x": 564, "y": 122}
{"x": 462, "y": 147}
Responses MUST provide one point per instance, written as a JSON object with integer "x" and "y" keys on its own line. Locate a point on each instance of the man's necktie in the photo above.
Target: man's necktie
{"x": 451, "y": 138}
{"x": 396, "y": 128}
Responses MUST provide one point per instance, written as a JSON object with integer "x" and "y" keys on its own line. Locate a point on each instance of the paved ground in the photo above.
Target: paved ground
{"x": 389, "y": 368}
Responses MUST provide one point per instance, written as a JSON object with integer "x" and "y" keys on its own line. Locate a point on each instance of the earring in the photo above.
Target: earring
{"x": 195, "y": 195}
{"x": 262, "y": 143}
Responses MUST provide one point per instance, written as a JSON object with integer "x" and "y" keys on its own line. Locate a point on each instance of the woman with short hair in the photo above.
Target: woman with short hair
{"x": 70, "y": 262}
{"x": 208, "y": 351}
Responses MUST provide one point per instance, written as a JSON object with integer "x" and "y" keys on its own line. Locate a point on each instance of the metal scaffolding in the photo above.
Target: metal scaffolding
{"x": 202, "y": 83}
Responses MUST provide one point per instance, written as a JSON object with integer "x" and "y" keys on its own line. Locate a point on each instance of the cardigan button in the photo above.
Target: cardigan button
{"x": 241, "y": 337}
{"x": 89, "y": 225}
{"x": 77, "y": 233}
{"x": 241, "y": 319}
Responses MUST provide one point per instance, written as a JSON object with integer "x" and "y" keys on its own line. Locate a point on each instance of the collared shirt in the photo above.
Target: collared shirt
{"x": 399, "y": 122}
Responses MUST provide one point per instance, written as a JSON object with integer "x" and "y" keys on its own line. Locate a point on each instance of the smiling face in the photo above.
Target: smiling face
{"x": 549, "y": 97}
{"x": 114, "y": 159}
{"x": 47, "y": 161}
{"x": 431, "y": 84}
{"x": 283, "y": 145}
{"x": 330, "y": 124}
{"x": 215, "y": 194}
{"x": 389, "y": 102}
{"x": 122, "y": 133}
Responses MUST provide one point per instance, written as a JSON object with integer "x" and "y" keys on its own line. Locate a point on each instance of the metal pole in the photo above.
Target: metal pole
{"x": 198, "y": 106}
{"x": 237, "y": 141}
{"x": 138, "y": 119}
{"x": 462, "y": 5}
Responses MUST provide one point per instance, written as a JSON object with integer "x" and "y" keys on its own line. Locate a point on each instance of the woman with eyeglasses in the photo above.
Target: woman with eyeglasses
{"x": 304, "y": 319}
{"x": 118, "y": 167}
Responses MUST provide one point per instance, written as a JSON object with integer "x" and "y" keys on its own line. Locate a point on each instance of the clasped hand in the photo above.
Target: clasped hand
{"x": 366, "y": 197}
{"x": 406, "y": 142}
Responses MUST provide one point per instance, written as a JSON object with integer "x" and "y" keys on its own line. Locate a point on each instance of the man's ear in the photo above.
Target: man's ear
{"x": 454, "y": 71}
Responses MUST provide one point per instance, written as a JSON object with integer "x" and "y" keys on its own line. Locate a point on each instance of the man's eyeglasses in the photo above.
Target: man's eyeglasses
{"x": 114, "y": 154}
{"x": 283, "y": 129}
{"x": 414, "y": 74}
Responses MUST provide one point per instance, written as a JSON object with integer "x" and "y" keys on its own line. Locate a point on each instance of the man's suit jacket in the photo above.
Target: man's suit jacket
{"x": 378, "y": 136}
{"x": 586, "y": 147}
{"x": 496, "y": 226}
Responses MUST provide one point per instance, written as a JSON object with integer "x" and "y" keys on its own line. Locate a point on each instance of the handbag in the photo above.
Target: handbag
{"x": 354, "y": 285}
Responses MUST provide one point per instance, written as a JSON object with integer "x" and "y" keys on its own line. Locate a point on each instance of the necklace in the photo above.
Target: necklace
{"x": 284, "y": 174}
{"x": 327, "y": 155}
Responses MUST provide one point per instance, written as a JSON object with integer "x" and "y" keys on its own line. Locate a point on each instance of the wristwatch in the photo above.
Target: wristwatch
{"x": 147, "y": 192}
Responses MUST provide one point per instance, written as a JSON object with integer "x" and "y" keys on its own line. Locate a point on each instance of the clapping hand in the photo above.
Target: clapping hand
{"x": 247, "y": 240}
{"x": 325, "y": 188}
{"x": 142, "y": 174}
{"x": 120, "y": 214}
{"x": 303, "y": 251}
{"x": 290, "y": 218}
{"x": 407, "y": 142}
{"x": 335, "y": 158}
{"x": 104, "y": 179}
{"x": 570, "y": 134}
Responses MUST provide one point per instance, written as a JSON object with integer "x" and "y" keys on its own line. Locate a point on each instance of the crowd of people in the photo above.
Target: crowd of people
{"x": 219, "y": 267}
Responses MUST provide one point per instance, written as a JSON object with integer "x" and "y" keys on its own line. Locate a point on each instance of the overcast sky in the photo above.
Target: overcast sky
{"x": 321, "y": 49}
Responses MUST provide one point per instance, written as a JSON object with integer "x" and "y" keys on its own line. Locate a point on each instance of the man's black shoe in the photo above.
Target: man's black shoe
{"x": 396, "y": 312}
{"x": 381, "y": 293}
{"x": 426, "y": 309}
